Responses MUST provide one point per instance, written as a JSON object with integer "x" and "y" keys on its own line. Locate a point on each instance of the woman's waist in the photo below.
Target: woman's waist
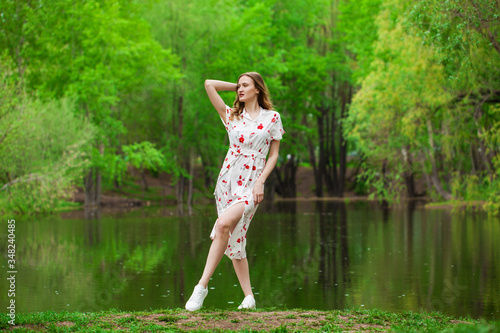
{"x": 246, "y": 152}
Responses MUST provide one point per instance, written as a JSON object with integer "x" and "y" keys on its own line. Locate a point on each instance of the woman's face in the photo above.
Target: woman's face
{"x": 246, "y": 89}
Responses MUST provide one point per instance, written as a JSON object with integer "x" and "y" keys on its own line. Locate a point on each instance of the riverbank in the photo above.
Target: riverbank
{"x": 296, "y": 320}
{"x": 145, "y": 190}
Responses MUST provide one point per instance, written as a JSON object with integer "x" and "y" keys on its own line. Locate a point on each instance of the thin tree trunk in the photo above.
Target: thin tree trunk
{"x": 346, "y": 98}
{"x": 144, "y": 181}
{"x": 435, "y": 177}
{"x": 179, "y": 193}
{"x": 473, "y": 157}
{"x": 290, "y": 177}
{"x": 286, "y": 178}
{"x": 89, "y": 189}
{"x": 385, "y": 203}
{"x": 322, "y": 153}
{"x": 408, "y": 174}
{"x": 317, "y": 174}
{"x": 190, "y": 186}
{"x": 333, "y": 154}
{"x": 180, "y": 151}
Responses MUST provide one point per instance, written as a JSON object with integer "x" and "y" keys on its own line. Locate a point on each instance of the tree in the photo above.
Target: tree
{"x": 100, "y": 53}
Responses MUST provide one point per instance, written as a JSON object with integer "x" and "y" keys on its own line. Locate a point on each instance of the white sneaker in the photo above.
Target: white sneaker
{"x": 248, "y": 303}
{"x": 196, "y": 300}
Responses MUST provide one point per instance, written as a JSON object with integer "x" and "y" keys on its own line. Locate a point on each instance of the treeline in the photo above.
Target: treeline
{"x": 391, "y": 90}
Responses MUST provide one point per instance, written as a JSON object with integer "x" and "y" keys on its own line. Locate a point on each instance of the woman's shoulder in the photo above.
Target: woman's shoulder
{"x": 272, "y": 114}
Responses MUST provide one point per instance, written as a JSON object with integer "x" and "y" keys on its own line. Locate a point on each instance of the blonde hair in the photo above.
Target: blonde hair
{"x": 263, "y": 98}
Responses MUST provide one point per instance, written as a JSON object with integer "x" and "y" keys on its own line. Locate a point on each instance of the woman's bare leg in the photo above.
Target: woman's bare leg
{"x": 243, "y": 273}
{"x": 227, "y": 221}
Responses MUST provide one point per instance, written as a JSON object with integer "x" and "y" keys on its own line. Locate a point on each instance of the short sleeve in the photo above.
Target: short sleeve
{"x": 228, "y": 113}
{"x": 276, "y": 130}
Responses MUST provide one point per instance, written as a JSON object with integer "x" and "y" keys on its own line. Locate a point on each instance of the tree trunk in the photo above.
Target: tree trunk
{"x": 270, "y": 186}
{"x": 179, "y": 193}
{"x": 408, "y": 174}
{"x": 286, "y": 178}
{"x": 90, "y": 199}
{"x": 144, "y": 181}
{"x": 92, "y": 195}
{"x": 190, "y": 186}
{"x": 385, "y": 203}
{"x": 346, "y": 99}
{"x": 322, "y": 153}
{"x": 317, "y": 174}
{"x": 93, "y": 185}
{"x": 180, "y": 186}
{"x": 435, "y": 177}
{"x": 333, "y": 155}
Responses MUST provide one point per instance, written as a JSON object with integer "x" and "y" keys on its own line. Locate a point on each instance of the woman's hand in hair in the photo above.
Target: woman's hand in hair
{"x": 213, "y": 87}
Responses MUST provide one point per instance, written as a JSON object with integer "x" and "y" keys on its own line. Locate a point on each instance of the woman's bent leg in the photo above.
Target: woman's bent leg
{"x": 243, "y": 274}
{"x": 227, "y": 222}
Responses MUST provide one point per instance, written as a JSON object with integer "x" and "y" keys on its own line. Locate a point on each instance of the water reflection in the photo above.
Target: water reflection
{"x": 310, "y": 254}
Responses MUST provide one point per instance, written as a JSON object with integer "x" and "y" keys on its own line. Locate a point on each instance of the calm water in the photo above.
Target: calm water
{"x": 311, "y": 255}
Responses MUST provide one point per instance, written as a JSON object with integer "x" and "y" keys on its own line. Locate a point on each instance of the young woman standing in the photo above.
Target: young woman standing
{"x": 254, "y": 130}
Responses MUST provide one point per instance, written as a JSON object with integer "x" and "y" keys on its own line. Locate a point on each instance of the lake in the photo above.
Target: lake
{"x": 302, "y": 254}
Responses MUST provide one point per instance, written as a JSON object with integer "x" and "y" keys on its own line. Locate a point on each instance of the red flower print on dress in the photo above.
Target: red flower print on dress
{"x": 260, "y": 126}
{"x": 247, "y": 166}
{"x": 239, "y": 240}
{"x": 274, "y": 120}
{"x": 242, "y": 139}
{"x": 246, "y": 202}
{"x": 254, "y": 168}
{"x": 240, "y": 183}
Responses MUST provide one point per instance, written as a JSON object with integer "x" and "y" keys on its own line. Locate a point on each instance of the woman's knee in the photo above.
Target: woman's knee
{"x": 230, "y": 218}
{"x": 223, "y": 227}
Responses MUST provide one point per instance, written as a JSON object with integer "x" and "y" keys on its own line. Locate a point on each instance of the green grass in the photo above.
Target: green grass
{"x": 165, "y": 320}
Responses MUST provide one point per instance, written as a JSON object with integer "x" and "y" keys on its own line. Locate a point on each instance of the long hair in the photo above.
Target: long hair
{"x": 263, "y": 97}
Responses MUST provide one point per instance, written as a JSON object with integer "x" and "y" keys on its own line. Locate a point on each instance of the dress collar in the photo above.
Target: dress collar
{"x": 245, "y": 114}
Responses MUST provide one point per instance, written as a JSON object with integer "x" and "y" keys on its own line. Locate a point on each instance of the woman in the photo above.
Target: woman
{"x": 253, "y": 130}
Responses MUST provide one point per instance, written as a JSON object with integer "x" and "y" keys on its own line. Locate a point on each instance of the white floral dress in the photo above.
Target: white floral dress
{"x": 249, "y": 142}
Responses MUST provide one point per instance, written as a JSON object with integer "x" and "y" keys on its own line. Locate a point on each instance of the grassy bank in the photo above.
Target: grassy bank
{"x": 243, "y": 321}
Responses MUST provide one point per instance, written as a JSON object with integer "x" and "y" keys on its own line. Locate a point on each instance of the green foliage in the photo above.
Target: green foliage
{"x": 44, "y": 150}
{"x": 144, "y": 156}
{"x": 426, "y": 79}
{"x": 428, "y": 103}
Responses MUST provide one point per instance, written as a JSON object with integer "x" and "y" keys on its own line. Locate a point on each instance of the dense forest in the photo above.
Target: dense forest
{"x": 394, "y": 91}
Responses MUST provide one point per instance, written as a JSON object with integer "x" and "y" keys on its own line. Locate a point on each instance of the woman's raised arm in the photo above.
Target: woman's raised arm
{"x": 212, "y": 87}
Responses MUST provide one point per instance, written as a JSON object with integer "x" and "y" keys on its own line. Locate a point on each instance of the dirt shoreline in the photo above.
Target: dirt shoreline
{"x": 164, "y": 194}
{"x": 296, "y": 320}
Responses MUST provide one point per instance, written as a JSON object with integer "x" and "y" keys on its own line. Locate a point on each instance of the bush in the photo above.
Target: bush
{"x": 43, "y": 147}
